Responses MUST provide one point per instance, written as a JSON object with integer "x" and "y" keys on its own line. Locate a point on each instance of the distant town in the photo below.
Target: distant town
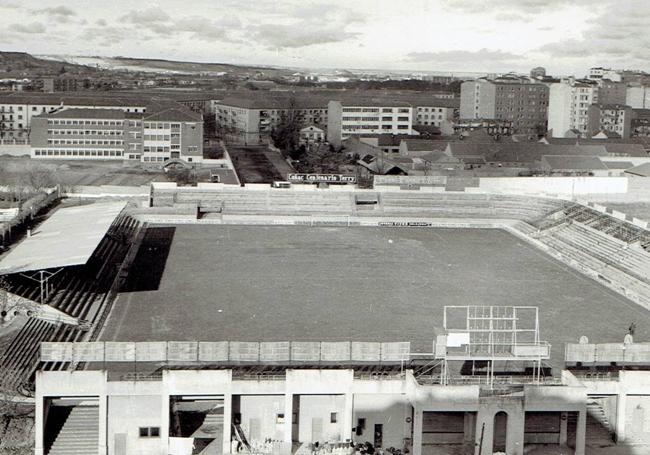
{"x": 368, "y": 123}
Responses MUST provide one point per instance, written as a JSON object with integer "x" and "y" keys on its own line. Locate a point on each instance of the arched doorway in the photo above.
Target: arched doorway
{"x": 500, "y": 432}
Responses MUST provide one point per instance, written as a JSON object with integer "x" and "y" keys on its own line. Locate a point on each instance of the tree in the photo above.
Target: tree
{"x": 286, "y": 135}
{"x": 319, "y": 158}
{"x": 39, "y": 178}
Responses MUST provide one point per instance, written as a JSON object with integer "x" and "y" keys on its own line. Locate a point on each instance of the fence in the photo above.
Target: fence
{"x": 608, "y": 353}
{"x": 225, "y": 351}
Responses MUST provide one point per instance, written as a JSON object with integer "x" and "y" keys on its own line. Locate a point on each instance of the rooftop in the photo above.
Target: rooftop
{"x": 87, "y": 113}
{"x": 574, "y": 162}
{"x": 61, "y": 240}
{"x": 423, "y": 145}
{"x": 73, "y": 98}
{"x": 176, "y": 114}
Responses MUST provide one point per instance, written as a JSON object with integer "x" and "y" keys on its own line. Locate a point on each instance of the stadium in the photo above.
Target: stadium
{"x": 428, "y": 319}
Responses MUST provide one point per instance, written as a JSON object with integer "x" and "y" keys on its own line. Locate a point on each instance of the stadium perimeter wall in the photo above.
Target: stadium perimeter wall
{"x": 562, "y": 187}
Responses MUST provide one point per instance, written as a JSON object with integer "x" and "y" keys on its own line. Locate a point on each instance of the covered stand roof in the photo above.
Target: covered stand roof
{"x": 68, "y": 237}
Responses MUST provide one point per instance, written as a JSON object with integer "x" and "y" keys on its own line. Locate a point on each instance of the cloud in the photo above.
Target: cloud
{"x": 618, "y": 34}
{"x": 299, "y": 35}
{"x": 56, "y": 11}
{"x": 463, "y": 56}
{"x": 32, "y": 28}
{"x": 520, "y": 8}
{"x": 146, "y": 16}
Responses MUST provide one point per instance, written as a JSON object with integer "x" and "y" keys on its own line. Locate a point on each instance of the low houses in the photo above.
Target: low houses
{"x": 311, "y": 135}
{"x": 573, "y": 164}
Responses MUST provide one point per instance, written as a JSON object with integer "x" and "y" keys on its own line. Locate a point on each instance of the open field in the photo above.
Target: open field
{"x": 17, "y": 169}
{"x": 247, "y": 283}
{"x": 253, "y": 165}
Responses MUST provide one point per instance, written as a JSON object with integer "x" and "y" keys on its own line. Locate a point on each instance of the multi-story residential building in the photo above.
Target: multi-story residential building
{"x": 638, "y": 97}
{"x": 18, "y": 109}
{"x": 514, "y": 99}
{"x": 598, "y": 73}
{"x": 611, "y": 92}
{"x": 251, "y": 119}
{"x": 640, "y": 123}
{"x": 612, "y": 118}
{"x": 113, "y": 134}
{"x": 367, "y": 116}
{"x": 429, "y": 110}
{"x": 62, "y": 84}
{"x": 569, "y": 102}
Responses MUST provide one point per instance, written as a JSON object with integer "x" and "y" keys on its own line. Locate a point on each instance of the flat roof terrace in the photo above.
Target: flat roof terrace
{"x": 266, "y": 283}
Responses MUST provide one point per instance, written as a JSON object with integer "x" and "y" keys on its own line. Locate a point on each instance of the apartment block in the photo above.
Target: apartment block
{"x": 610, "y": 118}
{"x": 569, "y": 102}
{"x": 514, "y": 99}
{"x": 18, "y": 109}
{"x": 112, "y": 134}
{"x": 251, "y": 120}
{"x": 611, "y": 92}
{"x": 435, "y": 112}
{"x": 367, "y": 116}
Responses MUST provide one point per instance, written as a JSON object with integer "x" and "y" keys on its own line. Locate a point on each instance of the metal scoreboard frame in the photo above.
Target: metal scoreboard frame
{"x": 492, "y": 333}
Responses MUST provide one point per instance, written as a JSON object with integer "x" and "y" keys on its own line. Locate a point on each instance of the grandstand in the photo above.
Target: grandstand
{"x": 81, "y": 281}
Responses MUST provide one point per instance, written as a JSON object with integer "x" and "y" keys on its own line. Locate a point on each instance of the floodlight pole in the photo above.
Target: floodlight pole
{"x": 41, "y": 284}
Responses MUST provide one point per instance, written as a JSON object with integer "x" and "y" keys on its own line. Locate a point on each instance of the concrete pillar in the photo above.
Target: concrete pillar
{"x": 469, "y": 427}
{"x": 102, "y": 448}
{"x": 227, "y": 422}
{"x": 621, "y": 405}
{"x": 164, "y": 420}
{"x": 417, "y": 430}
{"x": 581, "y": 431}
{"x": 515, "y": 432}
{"x": 288, "y": 417}
{"x": 564, "y": 420}
{"x": 348, "y": 410}
{"x": 484, "y": 427}
{"x": 39, "y": 422}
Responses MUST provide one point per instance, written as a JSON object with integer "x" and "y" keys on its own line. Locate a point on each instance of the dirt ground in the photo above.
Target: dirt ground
{"x": 69, "y": 173}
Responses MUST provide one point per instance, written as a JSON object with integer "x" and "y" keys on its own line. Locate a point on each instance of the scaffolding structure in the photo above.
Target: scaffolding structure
{"x": 491, "y": 334}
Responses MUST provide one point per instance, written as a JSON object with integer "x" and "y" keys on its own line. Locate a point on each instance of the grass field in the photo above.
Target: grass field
{"x": 247, "y": 283}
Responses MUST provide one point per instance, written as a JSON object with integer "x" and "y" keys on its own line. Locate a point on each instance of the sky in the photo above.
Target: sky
{"x": 564, "y": 36}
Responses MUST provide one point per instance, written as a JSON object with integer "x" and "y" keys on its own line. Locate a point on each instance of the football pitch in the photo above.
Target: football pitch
{"x": 276, "y": 283}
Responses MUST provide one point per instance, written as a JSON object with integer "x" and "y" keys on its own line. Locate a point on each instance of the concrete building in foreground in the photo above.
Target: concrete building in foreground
{"x": 183, "y": 409}
{"x": 113, "y": 134}
{"x": 513, "y": 99}
{"x": 314, "y": 410}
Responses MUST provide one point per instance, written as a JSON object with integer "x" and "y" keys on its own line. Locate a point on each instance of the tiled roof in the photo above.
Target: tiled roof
{"x": 423, "y": 145}
{"x": 574, "y": 162}
{"x": 72, "y": 98}
{"x": 525, "y": 152}
{"x": 173, "y": 114}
